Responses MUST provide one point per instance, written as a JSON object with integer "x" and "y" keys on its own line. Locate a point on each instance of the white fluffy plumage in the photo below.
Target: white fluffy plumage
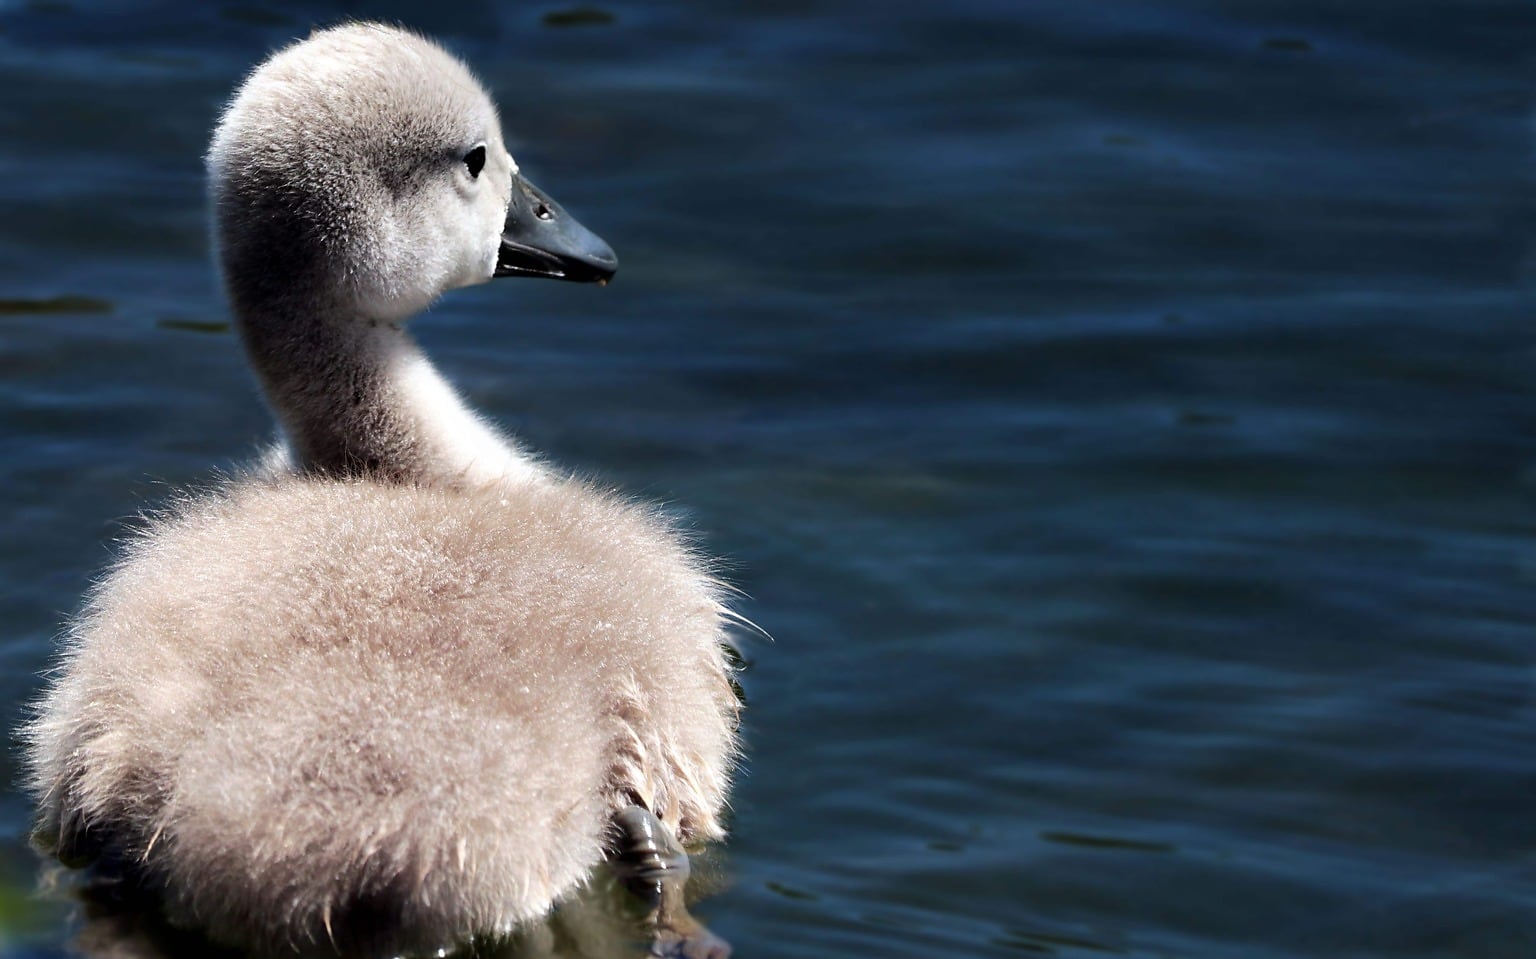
{"x": 389, "y": 695}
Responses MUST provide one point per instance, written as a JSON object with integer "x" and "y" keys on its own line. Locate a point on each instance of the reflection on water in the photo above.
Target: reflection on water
{"x": 602, "y": 921}
{"x": 1119, "y": 413}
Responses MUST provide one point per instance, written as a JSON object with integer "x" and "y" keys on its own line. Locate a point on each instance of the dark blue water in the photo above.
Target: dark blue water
{"x": 1121, "y": 415}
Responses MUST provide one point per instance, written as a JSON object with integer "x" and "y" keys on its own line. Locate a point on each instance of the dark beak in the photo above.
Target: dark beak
{"x": 541, "y": 239}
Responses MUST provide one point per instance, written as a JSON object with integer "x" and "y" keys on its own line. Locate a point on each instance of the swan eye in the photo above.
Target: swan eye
{"x": 474, "y": 161}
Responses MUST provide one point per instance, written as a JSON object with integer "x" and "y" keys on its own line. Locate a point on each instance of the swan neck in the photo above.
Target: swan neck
{"x": 359, "y": 397}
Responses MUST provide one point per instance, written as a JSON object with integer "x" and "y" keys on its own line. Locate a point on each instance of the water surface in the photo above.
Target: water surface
{"x": 1120, "y": 414}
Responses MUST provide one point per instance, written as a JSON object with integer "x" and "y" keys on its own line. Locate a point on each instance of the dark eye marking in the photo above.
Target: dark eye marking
{"x": 474, "y": 161}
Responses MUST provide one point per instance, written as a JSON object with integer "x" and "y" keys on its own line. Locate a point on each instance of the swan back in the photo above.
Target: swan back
{"x": 386, "y": 694}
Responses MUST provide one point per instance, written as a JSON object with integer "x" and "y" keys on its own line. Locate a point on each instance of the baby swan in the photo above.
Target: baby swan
{"x": 406, "y": 685}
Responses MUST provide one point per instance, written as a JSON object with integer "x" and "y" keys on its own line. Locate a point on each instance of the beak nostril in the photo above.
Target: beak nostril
{"x": 541, "y": 239}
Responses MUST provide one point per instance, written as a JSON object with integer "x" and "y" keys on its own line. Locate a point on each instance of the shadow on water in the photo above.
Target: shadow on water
{"x": 118, "y": 921}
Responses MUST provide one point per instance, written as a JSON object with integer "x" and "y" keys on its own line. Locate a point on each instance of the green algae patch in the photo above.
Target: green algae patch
{"x": 20, "y": 306}
{"x": 583, "y": 16}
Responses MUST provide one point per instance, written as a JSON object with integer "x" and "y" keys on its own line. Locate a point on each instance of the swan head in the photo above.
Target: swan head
{"x": 365, "y": 167}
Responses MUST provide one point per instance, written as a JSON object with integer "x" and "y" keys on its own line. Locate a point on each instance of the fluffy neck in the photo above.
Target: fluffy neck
{"x": 359, "y": 397}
